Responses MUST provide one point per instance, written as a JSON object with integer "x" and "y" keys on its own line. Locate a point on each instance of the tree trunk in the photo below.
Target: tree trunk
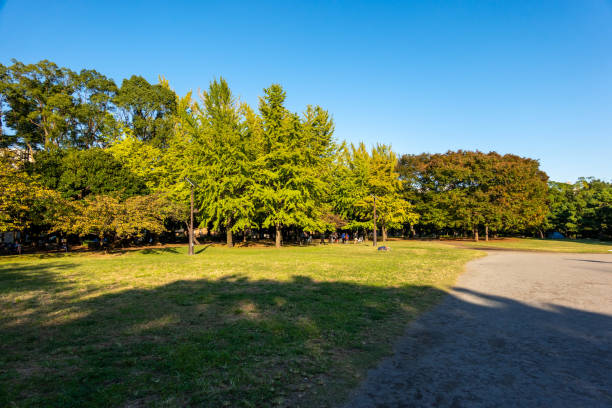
{"x": 384, "y": 233}
{"x": 244, "y": 236}
{"x": 278, "y": 236}
{"x": 412, "y": 232}
{"x": 476, "y": 234}
{"x": 30, "y": 153}
{"x": 230, "y": 242}
{"x": 541, "y": 234}
{"x": 486, "y": 232}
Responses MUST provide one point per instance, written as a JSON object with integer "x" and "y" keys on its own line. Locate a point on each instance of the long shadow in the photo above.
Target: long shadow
{"x": 19, "y": 277}
{"x": 205, "y": 342}
{"x": 153, "y": 250}
{"x": 241, "y": 342}
{"x": 476, "y": 349}
{"x": 202, "y": 248}
{"x": 589, "y": 260}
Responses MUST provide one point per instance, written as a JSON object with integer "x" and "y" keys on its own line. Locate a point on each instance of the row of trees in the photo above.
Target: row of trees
{"x": 47, "y": 106}
{"x": 583, "y": 209}
{"x": 112, "y": 162}
{"x": 475, "y": 191}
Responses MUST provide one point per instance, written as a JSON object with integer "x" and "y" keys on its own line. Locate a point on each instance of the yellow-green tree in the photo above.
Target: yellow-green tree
{"x": 363, "y": 177}
{"x": 23, "y": 201}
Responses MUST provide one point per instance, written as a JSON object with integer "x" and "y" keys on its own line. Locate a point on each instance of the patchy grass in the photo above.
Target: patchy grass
{"x": 547, "y": 245}
{"x": 227, "y": 327}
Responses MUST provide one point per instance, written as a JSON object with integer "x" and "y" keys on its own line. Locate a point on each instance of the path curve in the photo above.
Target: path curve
{"x": 520, "y": 329}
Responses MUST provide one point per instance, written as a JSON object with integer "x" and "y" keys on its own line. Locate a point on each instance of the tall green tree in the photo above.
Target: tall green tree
{"x": 39, "y": 99}
{"x": 289, "y": 181}
{"x": 93, "y": 121}
{"x": 225, "y": 165}
{"x": 147, "y": 109}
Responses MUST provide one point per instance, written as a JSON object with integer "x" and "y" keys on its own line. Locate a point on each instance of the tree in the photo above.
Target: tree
{"x": 147, "y": 109}
{"x": 79, "y": 173}
{"x": 4, "y": 87}
{"x": 469, "y": 190}
{"x": 39, "y": 99}
{"x": 225, "y": 163}
{"x": 289, "y": 181}
{"x": 113, "y": 220}
{"x": 367, "y": 176}
{"x": 92, "y": 116}
{"x": 581, "y": 209}
{"x": 24, "y": 201}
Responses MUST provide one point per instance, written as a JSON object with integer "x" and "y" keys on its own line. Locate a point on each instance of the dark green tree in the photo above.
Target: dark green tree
{"x": 147, "y": 109}
{"x": 40, "y": 104}
{"x": 78, "y": 173}
{"x": 93, "y": 121}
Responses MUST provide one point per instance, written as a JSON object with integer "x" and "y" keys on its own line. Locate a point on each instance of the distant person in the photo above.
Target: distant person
{"x": 18, "y": 248}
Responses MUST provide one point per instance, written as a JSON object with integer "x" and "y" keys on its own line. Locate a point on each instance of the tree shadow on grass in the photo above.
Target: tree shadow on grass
{"x": 233, "y": 341}
{"x": 202, "y": 342}
{"x": 153, "y": 250}
{"x": 19, "y": 277}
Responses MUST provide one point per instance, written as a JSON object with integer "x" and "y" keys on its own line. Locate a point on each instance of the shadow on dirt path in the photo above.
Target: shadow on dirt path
{"x": 519, "y": 329}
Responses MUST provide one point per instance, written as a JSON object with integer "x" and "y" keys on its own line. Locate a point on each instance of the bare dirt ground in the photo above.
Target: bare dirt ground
{"x": 519, "y": 329}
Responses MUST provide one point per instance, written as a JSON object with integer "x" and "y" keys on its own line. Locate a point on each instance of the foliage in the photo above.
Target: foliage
{"x": 292, "y": 164}
{"x": 79, "y": 136}
{"x": 79, "y": 173}
{"x": 223, "y": 164}
{"x": 364, "y": 177}
{"x": 23, "y": 201}
{"x": 467, "y": 190}
{"x": 147, "y": 109}
{"x": 582, "y": 209}
{"x": 51, "y": 107}
{"x": 111, "y": 219}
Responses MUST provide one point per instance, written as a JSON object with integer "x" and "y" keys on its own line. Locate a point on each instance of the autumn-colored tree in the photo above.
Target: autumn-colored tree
{"x": 113, "y": 220}
{"x": 472, "y": 190}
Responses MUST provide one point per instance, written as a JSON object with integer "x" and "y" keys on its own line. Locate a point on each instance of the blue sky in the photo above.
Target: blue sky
{"x": 527, "y": 77}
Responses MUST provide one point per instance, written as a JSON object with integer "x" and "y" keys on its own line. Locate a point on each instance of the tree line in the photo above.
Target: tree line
{"x": 84, "y": 157}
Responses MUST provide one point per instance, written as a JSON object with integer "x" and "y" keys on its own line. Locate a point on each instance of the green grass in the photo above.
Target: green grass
{"x": 547, "y": 245}
{"x": 227, "y": 327}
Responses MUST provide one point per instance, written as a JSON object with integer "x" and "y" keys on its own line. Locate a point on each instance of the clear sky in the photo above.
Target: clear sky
{"x": 527, "y": 77}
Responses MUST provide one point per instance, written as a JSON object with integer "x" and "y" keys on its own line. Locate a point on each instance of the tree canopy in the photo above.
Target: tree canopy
{"x": 85, "y": 157}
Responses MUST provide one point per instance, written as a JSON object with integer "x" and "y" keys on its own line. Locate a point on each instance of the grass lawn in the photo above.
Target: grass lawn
{"x": 548, "y": 245}
{"x": 227, "y": 327}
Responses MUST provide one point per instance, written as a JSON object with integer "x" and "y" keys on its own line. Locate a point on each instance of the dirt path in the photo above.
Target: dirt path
{"x": 519, "y": 329}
